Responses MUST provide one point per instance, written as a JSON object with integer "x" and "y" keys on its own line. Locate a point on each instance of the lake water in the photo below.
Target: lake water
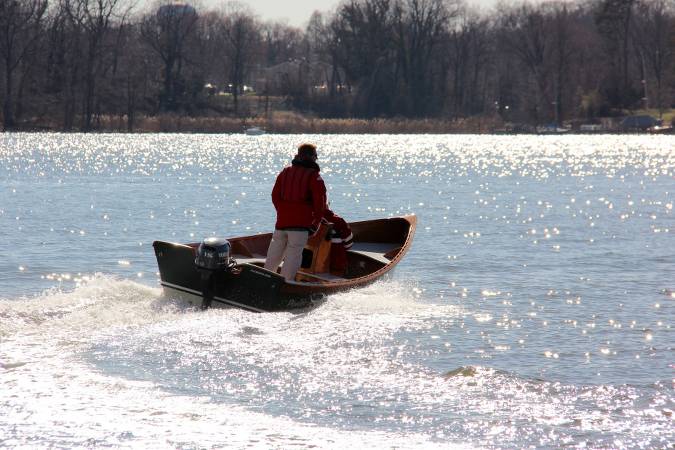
{"x": 535, "y": 308}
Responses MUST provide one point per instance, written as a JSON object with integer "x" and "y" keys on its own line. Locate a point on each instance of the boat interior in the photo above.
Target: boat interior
{"x": 372, "y": 250}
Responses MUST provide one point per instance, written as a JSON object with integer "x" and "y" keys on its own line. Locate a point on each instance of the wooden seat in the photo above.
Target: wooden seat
{"x": 320, "y": 277}
{"x": 319, "y": 248}
{"x": 381, "y": 252}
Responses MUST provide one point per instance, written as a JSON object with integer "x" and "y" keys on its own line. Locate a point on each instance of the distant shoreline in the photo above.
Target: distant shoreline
{"x": 278, "y": 123}
{"x": 292, "y": 123}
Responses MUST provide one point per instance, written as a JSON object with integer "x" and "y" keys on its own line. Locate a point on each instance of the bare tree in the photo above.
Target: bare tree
{"x": 362, "y": 41}
{"x": 240, "y": 37}
{"x": 562, "y": 50}
{"x": 469, "y": 44}
{"x": 20, "y": 28}
{"x": 281, "y": 43}
{"x": 655, "y": 27}
{"x": 131, "y": 76}
{"x": 614, "y": 19}
{"x": 168, "y": 33}
{"x": 420, "y": 26}
{"x": 209, "y": 46}
{"x": 324, "y": 44}
{"x": 95, "y": 20}
{"x": 525, "y": 35}
{"x": 64, "y": 64}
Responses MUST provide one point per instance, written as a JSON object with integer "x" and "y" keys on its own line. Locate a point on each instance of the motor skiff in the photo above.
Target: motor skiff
{"x": 229, "y": 272}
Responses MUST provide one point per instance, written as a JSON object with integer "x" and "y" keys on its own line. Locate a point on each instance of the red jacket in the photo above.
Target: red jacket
{"x": 299, "y": 196}
{"x": 341, "y": 241}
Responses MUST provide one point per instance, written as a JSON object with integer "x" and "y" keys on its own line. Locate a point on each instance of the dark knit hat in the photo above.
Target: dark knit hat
{"x": 307, "y": 151}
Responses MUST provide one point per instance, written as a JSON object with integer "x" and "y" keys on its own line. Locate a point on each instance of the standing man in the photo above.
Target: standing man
{"x": 299, "y": 196}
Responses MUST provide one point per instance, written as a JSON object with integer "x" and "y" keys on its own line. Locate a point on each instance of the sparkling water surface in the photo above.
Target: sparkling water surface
{"x": 535, "y": 308}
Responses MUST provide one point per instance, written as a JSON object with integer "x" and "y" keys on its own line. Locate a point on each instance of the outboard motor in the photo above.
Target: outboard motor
{"x": 213, "y": 255}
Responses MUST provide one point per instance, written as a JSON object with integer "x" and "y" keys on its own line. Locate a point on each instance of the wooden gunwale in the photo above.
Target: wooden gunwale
{"x": 256, "y": 246}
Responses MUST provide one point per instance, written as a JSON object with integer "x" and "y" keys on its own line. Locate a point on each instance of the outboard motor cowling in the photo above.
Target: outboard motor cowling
{"x": 213, "y": 254}
{"x": 213, "y": 257}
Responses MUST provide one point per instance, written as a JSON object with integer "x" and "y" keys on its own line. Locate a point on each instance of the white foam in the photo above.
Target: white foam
{"x": 96, "y": 303}
{"x": 96, "y": 408}
{"x": 41, "y": 359}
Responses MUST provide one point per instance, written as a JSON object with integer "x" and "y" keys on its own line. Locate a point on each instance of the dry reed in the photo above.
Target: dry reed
{"x": 288, "y": 122}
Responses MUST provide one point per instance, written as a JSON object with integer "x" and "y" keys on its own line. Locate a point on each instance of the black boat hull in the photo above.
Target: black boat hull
{"x": 247, "y": 286}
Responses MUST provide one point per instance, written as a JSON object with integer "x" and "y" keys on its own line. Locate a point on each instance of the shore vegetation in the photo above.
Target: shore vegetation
{"x": 425, "y": 66}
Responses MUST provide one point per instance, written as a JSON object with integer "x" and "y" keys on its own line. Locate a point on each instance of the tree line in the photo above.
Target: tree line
{"x": 66, "y": 64}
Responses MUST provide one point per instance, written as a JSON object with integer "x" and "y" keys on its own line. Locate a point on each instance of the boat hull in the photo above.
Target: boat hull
{"x": 248, "y": 287}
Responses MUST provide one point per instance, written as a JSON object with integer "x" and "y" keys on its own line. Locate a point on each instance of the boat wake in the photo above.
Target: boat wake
{"x": 126, "y": 366}
{"x": 97, "y": 302}
{"x": 100, "y": 302}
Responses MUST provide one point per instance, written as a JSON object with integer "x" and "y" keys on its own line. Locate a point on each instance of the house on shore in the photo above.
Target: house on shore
{"x": 638, "y": 123}
{"x": 299, "y": 75}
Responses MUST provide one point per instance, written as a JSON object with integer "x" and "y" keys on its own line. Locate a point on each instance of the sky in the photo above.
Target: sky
{"x": 298, "y": 12}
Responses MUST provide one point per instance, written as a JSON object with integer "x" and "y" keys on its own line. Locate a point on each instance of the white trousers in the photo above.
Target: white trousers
{"x": 286, "y": 245}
